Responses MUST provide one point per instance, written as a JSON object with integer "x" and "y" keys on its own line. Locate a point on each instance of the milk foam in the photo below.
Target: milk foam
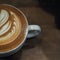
{"x": 10, "y": 26}
{"x": 4, "y": 15}
{"x": 5, "y": 25}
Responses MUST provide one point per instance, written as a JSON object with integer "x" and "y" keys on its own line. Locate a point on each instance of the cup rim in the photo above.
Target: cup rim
{"x": 25, "y": 33}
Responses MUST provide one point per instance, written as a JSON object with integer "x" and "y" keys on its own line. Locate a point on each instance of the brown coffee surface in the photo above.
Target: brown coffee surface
{"x": 13, "y": 27}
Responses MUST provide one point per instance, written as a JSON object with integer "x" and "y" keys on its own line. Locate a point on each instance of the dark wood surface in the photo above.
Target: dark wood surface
{"x": 45, "y": 46}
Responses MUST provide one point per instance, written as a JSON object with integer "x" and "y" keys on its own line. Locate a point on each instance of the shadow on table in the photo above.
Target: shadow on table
{"x": 32, "y": 43}
{"x": 16, "y": 56}
{"x": 29, "y": 44}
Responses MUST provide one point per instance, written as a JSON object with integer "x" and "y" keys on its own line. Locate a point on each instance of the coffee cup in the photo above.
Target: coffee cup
{"x": 14, "y": 30}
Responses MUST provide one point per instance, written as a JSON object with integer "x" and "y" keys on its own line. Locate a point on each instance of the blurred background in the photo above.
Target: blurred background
{"x": 45, "y": 46}
{"x": 48, "y": 5}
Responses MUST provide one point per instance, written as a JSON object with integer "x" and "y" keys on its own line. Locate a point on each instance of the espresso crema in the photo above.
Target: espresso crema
{"x": 13, "y": 28}
{"x": 10, "y": 26}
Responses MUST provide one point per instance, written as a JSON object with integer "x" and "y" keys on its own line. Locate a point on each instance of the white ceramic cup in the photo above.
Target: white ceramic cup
{"x": 32, "y": 31}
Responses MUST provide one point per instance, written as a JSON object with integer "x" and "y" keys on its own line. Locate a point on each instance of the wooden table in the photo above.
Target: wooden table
{"x": 45, "y": 46}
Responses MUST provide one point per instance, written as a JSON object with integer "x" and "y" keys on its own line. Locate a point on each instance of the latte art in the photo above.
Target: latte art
{"x": 3, "y": 17}
{"x": 13, "y": 29}
{"x": 9, "y": 26}
{"x": 5, "y": 28}
{"x": 5, "y": 24}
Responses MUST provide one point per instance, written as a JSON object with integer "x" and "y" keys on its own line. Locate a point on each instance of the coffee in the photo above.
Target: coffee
{"x": 9, "y": 26}
{"x": 12, "y": 27}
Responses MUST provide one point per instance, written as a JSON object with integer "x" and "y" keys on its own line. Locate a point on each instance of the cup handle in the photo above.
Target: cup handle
{"x": 33, "y": 30}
